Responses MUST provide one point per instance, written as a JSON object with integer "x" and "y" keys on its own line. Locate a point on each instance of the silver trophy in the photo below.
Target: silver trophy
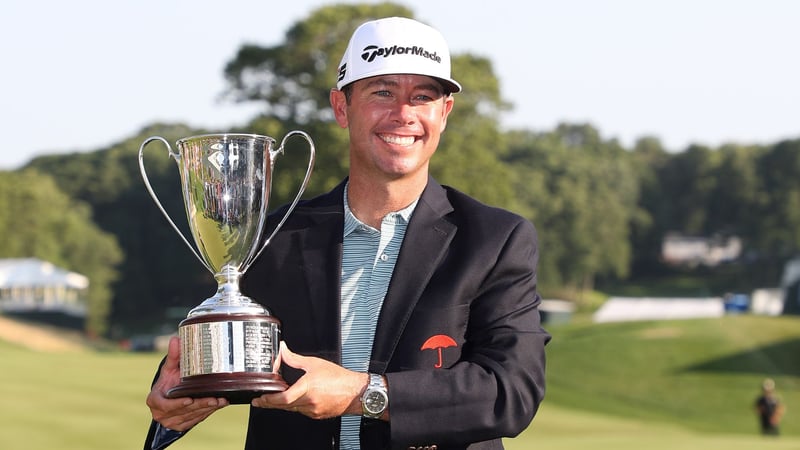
{"x": 229, "y": 343}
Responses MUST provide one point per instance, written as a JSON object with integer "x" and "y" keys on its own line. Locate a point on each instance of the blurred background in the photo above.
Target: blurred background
{"x": 654, "y": 145}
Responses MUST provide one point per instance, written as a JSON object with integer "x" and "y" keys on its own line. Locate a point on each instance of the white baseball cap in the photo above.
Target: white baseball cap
{"x": 396, "y": 45}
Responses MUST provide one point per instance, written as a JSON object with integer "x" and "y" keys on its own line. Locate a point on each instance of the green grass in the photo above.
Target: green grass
{"x": 702, "y": 374}
{"x": 558, "y": 428}
{"x": 647, "y": 385}
{"x": 89, "y": 400}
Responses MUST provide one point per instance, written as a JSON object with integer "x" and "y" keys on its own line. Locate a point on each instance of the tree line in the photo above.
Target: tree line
{"x": 601, "y": 209}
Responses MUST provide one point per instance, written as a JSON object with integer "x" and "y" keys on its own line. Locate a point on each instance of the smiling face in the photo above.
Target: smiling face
{"x": 395, "y": 122}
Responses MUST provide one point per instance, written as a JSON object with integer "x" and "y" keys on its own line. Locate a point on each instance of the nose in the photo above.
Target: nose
{"x": 403, "y": 113}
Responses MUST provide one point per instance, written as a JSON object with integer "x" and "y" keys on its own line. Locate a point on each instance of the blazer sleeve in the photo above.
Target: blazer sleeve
{"x": 496, "y": 386}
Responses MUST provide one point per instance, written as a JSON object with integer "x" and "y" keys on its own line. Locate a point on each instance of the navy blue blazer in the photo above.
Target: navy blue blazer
{"x": 458, "y": 338}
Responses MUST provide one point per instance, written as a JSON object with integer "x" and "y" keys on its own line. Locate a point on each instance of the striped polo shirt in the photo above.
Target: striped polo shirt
{"x": 368, "y": 260}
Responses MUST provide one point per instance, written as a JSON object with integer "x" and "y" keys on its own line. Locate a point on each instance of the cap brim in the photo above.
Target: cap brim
{"x": 450, "y": 85}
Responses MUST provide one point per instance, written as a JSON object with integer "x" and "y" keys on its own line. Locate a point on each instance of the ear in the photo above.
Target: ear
{"x": 339, "y": 105}
{"x": 448, "y": 106}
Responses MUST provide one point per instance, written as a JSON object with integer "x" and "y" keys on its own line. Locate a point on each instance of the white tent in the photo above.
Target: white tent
{"x": 30, "y": 284}
{"x": 768, "y": 301}
{"x": 618, "y": 309}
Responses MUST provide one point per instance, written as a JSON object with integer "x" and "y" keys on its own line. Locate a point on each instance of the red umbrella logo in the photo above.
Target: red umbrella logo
{"x": 438, "y": 342}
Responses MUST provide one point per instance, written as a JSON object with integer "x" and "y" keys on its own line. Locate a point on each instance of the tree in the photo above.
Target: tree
{"x": 471, "y": 149}
{"x": 689, "y": 180}
{"x": 777, "y": 208}
{"x": 738, "y": 191}
{"x": 40, "y": 220}
{"x": 649, "y": 156}
{"x": 582, "y": 194}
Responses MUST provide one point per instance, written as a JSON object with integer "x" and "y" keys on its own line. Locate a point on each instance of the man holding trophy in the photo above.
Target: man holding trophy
{"x": 409, "y": 310}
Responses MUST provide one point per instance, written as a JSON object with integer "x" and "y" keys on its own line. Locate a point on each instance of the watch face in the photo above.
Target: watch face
{"x": 375, "y": 402}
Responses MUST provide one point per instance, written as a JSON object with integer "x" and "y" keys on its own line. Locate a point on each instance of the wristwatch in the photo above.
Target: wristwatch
{"x": 375, "y": 399}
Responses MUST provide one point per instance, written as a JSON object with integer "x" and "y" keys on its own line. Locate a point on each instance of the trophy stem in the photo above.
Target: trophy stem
{"x": 229, "y": 298}
{"x": 228, "y": 284}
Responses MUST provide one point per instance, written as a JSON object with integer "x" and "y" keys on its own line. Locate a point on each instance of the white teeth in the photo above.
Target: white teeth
{"x": 398, "y": 140}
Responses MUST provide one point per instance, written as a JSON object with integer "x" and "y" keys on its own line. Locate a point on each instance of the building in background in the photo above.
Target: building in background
{"x": 30, "y": 285}
{"x": 692, "y": 251}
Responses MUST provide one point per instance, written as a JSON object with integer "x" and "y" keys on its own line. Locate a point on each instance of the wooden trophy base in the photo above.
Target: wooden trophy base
{"x": 238, "y": 388}
{"x": 234, "y": 356}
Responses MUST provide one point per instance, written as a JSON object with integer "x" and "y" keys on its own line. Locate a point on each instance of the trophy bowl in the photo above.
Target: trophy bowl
{"x": 230, "y": 344}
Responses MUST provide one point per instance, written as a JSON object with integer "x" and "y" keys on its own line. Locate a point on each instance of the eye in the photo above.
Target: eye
{"x": 426, "y": 98}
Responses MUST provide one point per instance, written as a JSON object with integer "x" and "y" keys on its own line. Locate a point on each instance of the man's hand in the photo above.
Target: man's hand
{"x": 325, "y": 390}
{"x": 179, "y": 414}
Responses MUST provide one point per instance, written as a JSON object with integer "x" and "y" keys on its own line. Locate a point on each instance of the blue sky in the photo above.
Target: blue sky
{"x": 80, "y": 75}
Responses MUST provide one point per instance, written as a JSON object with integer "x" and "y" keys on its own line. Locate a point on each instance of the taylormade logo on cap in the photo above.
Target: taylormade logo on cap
{"x": 373, "y": 51}
{"x": 396, "y": 45}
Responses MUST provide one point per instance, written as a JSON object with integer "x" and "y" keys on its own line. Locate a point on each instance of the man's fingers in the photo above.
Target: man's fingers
{"x": 290, "y": 358}
{"x": 192, "y": 417}
{"x": 173, "y": 355}
{"x": 183, "y": 413}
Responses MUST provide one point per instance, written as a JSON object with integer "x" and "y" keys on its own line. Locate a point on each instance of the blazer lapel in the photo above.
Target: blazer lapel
{"x": 426, "y": 241}
{"x": 320, "y": 245}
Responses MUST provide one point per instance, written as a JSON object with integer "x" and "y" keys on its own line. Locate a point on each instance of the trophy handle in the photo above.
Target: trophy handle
{"x": 311, "y": 159}
{"x": 150, "y": 190}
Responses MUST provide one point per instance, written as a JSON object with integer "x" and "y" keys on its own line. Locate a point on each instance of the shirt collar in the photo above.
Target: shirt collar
{"x": 351, "y": 222}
